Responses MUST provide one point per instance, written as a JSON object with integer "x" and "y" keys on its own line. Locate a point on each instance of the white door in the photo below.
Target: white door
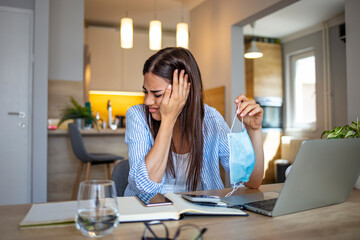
{"x": 15, "y": 105}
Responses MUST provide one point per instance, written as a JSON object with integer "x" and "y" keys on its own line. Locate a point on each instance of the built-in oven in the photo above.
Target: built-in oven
{"x": 273, "y": 113}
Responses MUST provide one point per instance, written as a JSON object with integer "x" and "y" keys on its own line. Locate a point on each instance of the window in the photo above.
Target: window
{"x": 302, "y": 114}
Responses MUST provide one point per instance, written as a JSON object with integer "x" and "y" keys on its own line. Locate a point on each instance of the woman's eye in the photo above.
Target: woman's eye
{"x": 157, "y": 96}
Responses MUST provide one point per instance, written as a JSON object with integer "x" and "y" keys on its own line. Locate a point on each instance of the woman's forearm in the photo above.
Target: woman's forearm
{"x": 258, "y": 172}
{"x": 156, "y": 159}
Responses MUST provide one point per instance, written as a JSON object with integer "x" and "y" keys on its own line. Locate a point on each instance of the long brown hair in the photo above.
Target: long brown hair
{"x": 163, "y": 64}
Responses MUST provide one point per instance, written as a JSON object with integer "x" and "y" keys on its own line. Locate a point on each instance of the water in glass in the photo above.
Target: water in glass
{"x": 97, "y": 213}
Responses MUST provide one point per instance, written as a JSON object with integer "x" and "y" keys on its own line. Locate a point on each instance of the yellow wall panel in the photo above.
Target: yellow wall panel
{"x": 120, "y": 102}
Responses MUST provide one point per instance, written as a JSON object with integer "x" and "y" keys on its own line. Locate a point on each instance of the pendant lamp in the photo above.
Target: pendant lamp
{"x": 126, "y": 32}
{"x": 155, "y": 32}
{"x": 155, "y": 35}
{"x": 182, "y": 32}
{"x": 182, "y": 35}
{"x": 253, "y": 52}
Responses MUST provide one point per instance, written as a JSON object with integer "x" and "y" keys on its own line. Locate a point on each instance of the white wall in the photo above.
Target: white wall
{"x": 114, "y": 68}
{"x": 338, "y": 78}
{"x": 352, "y": 20}
{"x": 27, "y": 4}
{"x": 212, "y": 42}
{"x": 66, "y": 38}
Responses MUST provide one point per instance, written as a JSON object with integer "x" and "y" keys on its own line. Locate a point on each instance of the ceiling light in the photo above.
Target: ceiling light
{"x": 182, "y": 35}
{"x": 126, "y": 32}
{"x": 155, "y": 35}
{"x": 182, "y": 32}
{"x": 253, "y": 52}
{"x": 155, "y": 32}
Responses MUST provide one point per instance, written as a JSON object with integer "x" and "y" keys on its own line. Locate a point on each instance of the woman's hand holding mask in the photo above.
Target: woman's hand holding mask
{"x": 175, "y": 96}
{"x": 253, "y": 117}
{"x": 250, "y": 111}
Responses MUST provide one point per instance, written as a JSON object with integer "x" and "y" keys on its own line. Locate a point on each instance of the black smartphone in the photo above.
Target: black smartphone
{"x": 201, "y": 198}
{"x": 157, "y": 200}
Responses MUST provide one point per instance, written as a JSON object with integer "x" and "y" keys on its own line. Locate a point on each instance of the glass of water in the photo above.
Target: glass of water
{"x": 97, "y": 211}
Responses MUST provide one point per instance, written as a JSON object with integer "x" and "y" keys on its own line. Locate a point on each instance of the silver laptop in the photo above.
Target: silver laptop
{"x": 323, "y": 173}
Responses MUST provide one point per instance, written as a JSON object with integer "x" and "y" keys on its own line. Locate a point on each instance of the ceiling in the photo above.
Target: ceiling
{"x": 109, "y": 12}
{"x": 296, "y": 17}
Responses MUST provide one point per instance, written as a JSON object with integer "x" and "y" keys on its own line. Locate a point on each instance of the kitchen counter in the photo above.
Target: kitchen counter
{"x": 97, "y": 132}
{"x": 63, "y": 164}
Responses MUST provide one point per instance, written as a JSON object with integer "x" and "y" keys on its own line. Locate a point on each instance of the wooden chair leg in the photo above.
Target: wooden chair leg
{"x": 77, "y": 181}
{"x": 108, "y": 170}
{"x": 87, "y": 173}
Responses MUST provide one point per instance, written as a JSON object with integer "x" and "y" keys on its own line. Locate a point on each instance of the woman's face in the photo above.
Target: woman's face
{"x": 154, "y": 89}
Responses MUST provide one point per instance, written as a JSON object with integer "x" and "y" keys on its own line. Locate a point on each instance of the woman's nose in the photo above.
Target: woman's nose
{"x": 149, "y": 100}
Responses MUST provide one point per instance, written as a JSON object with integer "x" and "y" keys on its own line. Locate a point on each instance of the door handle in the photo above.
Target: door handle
{"x": 19, "y": 114}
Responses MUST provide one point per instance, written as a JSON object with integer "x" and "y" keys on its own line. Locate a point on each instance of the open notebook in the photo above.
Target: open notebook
{"x": 130, "y": 210}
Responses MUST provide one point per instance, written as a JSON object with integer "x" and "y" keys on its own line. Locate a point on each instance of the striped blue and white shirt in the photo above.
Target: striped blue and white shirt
{"x": 139, "y": 140}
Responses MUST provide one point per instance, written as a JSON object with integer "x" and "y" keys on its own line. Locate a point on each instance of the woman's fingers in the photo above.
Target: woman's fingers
{"x": 245, "y": 107}
{"x": 240, "y": 98}
{"x": 250, "y": 111}
{"x": 181, "y": 82}
{"x": 175, "y": 84}
{"x": 175, "y": 95}
{"x": 185, "y": 86}
{"x": 238, "y": 101}
{"x": 255, "y": 111}
{"x": 167, "y": 95}
{"x": 180, "y": 85}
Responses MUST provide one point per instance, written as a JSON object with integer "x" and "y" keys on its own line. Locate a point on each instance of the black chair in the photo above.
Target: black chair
{"x": 120, "y": 176}
{"x": 87, "y": 158}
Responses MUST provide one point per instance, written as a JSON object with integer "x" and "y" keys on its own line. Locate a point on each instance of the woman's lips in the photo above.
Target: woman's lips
{"x": 153, "y": 110}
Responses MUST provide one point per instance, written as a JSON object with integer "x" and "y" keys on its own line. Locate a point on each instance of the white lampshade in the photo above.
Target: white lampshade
{"x": 126, "y": 33}
{"x": 182, "y": 35}
{"x": 253, "y": 52}
{"x": 155, "y": 35}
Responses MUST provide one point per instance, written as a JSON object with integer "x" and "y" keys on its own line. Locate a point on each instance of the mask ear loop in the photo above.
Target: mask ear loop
{"x": 233, "y": 121}
{"x": 235, "y": 187}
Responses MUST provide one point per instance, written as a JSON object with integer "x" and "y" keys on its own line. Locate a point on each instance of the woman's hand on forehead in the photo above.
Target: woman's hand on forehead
{"x": 175, "y": 96}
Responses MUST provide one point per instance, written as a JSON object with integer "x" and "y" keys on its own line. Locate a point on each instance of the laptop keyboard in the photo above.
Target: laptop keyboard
{"x": 267, "y": 205}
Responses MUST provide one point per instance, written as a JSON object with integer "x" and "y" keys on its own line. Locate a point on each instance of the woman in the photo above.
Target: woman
{"x": 175, "y": 141}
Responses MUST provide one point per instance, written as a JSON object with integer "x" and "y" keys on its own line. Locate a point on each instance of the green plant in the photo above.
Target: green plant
{"x": 346, "y": 131}
{"x": 76, "y": 111}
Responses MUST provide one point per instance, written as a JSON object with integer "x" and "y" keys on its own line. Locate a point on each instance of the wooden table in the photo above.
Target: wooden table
{"x": 340, "y": 221}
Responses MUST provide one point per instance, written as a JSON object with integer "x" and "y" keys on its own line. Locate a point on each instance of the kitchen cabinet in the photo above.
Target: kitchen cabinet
{"x": 114, "y": 68}
{"x": 264, "y": 75}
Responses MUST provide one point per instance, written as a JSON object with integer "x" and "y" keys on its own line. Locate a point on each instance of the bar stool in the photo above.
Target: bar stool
{"x": 89, "y": 159}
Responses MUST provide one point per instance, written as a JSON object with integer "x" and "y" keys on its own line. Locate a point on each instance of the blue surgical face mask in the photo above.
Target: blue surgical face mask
{"x": 242, "y": 157}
